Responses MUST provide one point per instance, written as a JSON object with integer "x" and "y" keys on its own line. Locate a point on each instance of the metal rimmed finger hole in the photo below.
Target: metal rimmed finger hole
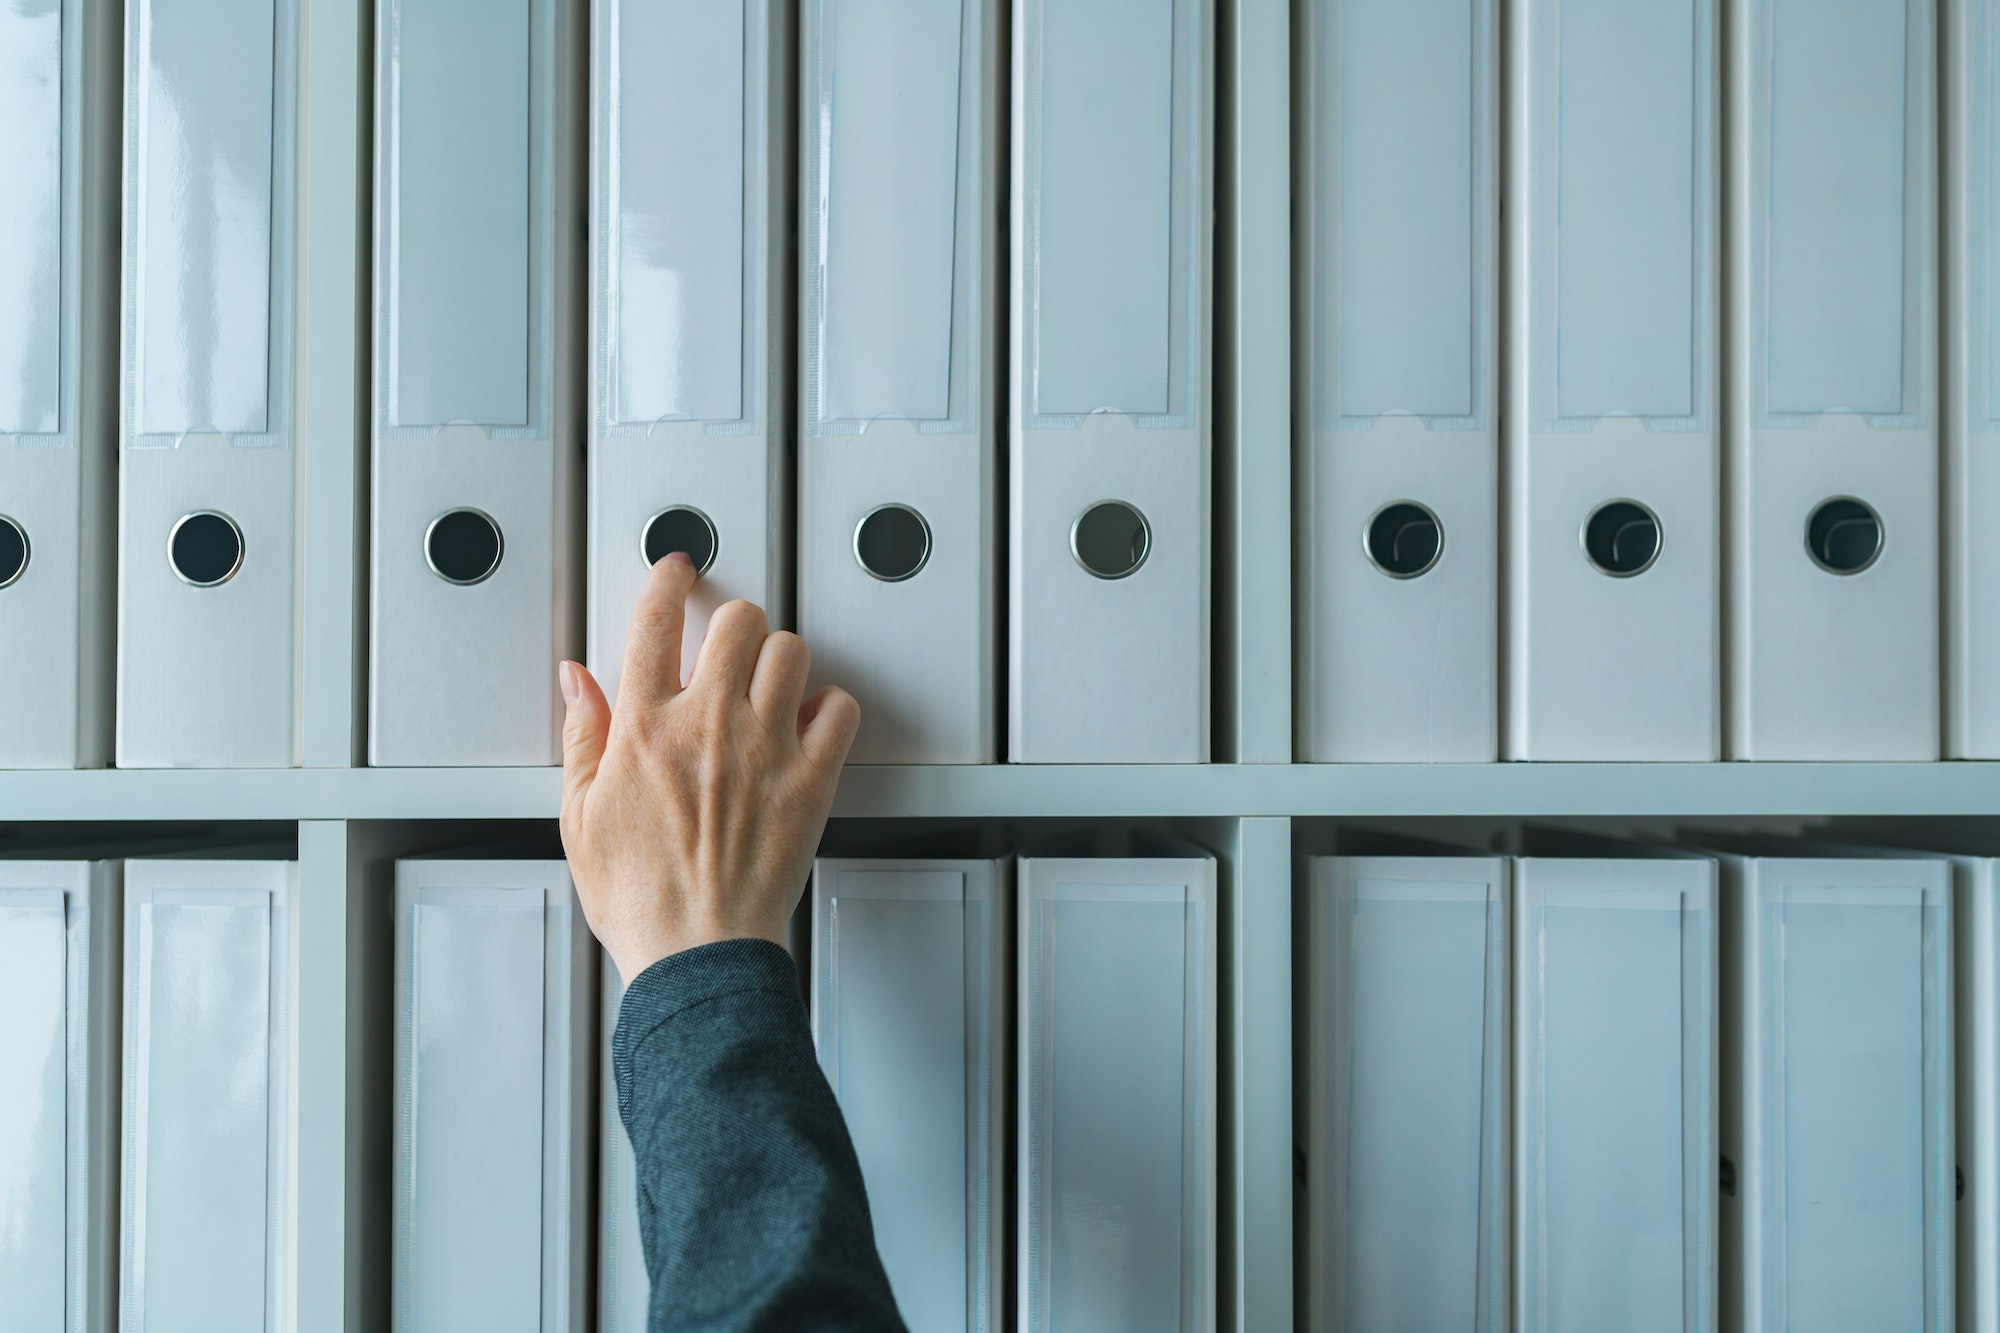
{"x": 1404, "y": 540}
{"x": 892, "y": 542}
{"x": 1622, "y": 538}
{"x": 1110, "y": 539}
{"x": 680, "y": 528}
{"x": 205, "y": 549}
{"x": 13, "y": 552}
{"x": 1844, "y": 535}
{"x": 463, "y": 546}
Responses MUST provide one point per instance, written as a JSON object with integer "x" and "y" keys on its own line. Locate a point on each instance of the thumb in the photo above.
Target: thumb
{"x": 586, "y": 725}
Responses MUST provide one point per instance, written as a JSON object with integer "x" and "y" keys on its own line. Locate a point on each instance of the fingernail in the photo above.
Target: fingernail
{"x": 681, "y": 556}
{"x": 572, "y": 683}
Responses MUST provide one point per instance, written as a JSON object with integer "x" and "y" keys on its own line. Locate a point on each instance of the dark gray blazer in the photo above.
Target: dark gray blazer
{"x": 751, "y": 1208}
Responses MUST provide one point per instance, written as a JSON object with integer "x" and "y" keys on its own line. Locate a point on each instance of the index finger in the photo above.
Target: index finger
{"x": 651, "y": 674}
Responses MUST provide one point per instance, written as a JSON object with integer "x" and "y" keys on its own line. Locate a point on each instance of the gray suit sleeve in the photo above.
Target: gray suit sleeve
{"x": 751, "y": 1206}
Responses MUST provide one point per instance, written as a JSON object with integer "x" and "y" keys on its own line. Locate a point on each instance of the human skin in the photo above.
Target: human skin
{"x": 691, "y": 812}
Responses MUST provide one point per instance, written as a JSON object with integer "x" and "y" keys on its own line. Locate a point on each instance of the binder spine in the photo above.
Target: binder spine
{"x": 689, "y": 333}
{"x": 899, "y": 370}
{"x": 1832, "y": 392}
{"x": 208, "y": 1113}
{"x": 207, "y": 615}
{"x": 1143, "y": 929}
{"x": 495, "y": 1006}
{"x": 1397, "y": 422}
{"x": 1407, "y": 1108}
{"x": 1615, "y": 1061}
{"x": 1110, "y": 343}
{"x": 1612, "y": 461}
{"x": 476, "y": 488}
{"x": 58, "y": 365}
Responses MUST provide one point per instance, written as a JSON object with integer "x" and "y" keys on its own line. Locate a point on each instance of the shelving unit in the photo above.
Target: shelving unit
{"x": 353, "y": 821}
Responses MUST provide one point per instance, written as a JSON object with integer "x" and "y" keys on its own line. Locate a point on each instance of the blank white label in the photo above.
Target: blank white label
{"x": 899, "y": 1027}
{"x": 889, "y": 173}
{"x": 1109, "y": 1079}
{"x": 459, "y": 164}
{"x": 1102, "y": 224}
{"x": 1626, "y": 199}
{"x": 1401, "y": 161}
{"x": 475, "y": 1046}
{"x": 1850, "y": 1160}
{"x": 1836, "y": 81}
{"x": 1415, "y": 991}
{"x": 677, "y": 190}
{"x": 34, "y": 1137}
{"x": 203, "y": 1105}
{"x": 31, "y": 89}
{"x": 201, "y": 190}
{"x": 1605, "y": 1237}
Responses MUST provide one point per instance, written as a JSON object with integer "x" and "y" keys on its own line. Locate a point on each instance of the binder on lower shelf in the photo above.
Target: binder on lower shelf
{"x": 476, "y": 508}
{"x": 58, "y": 366}
{"x": 1837, "y": 1113}
{"x": 1398, "y": 422}
{"x": 1405, "y": 1131}
{"x": 495, "y": 1002}
{"x": 899, "y": 547}
{"x": 623, "y": 1290}
{"x": 58, "y": 1093}
{"x": 1613, "y": 424}
{"x": 208, "y": 1109}
{"x": 1117, "y": 1078}
{"x": 1833, "y": 387}
{"x": 689, "y": 327}
{"x": 909, "y": 1010}
{"x": 1615, "y": 1094}
{"x": 207, "y": 606}
{"x": 1108, "y": 610}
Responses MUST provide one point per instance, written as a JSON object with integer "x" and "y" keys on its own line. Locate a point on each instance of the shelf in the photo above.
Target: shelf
{"x": 1072, "y": 791}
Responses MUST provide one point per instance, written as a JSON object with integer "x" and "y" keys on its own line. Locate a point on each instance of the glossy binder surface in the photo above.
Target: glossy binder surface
{"x": 206, "y": 674}
{"x": 1842, "y": 1133}
{"x": 1613, "y": 361}
{"x": 900, "y": 368}
{"x": 690, "y": 227}
{"x": 908, "y": 1002}
{"x": 1615, "y": 1068}
{"x": 477, "y": 268}
{"x": 1833, "y": 390}
{"x": 493, "y": 1006}
{"x": 207, "y": 1114}
{"x": 1397, "y": 261}
{"x": 58, "y": 1166}
{"x": 1117, "y": 1077}
{"x": 58, "y": 355}
{"x": 1406, "y": 1137}
{"x": 1112, "y": 196}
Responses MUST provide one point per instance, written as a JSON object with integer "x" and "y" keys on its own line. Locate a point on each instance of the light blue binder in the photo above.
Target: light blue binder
{"x": 58, "y": 1095}
{"x": 208, "y": 1114}
{"x": 1406, "y": 1137}
{"x": 909, "y": 1012}
{"x": 1615, "y": 1094}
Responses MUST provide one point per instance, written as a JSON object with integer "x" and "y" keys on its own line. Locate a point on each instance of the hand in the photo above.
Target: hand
{"x": 691, "y": 815}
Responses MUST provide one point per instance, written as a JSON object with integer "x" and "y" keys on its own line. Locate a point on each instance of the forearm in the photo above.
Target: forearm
{"x": 751, "y": 1206}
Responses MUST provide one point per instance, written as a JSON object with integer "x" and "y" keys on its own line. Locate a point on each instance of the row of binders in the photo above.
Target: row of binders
{"x": 1719, "y": 498}
{"x": 172, "y": 1197}
{"x": 554, "y": 173}
{"x": 1612, "y": 1086}
{"x": 1648, "y": 376}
